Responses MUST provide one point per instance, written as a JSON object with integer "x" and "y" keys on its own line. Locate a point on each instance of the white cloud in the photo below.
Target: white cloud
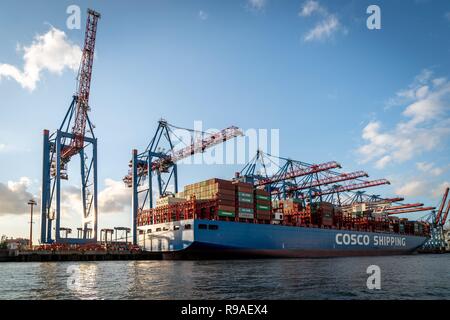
{"x": 326, "y": 27}
{"x": 438, "y": 192}
{"x": 381, "y": 163}
{"x": 413, "y": 188}
{"x": 423, "y": 188}
{"x": 71, "y": 205}
{"x": 447, "y": 15}
{"x": 310, "y": 7}
{"x": 430, "y": 168}
{"x": 202, "y": 15}
{"x": 323, "y": 30}
{"x": 256, "y": 5}
{"x": 51, "y": 52}
{"x": 425, "y": 127}
{"x": 116, "y": 197}
{"x": 14, "y": 196}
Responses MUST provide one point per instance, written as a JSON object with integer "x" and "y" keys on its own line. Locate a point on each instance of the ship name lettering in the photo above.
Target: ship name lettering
{"x": 352, "y": 239}
{"x": 389, "y": 241}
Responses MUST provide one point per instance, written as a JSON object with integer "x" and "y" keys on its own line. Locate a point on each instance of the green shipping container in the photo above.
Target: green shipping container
{"x": 261, "y": 207}
{"x": 246, "y": 215}
{"x": 222, "y": 213}
{"x": 246, "y": 210}
{"x": 246, "y": 200}
{"x": 245, "y": 195}
{"x": 259, "y": 197}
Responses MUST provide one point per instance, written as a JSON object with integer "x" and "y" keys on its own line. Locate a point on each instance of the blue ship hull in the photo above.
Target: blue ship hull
{"x": 204, "y": 239}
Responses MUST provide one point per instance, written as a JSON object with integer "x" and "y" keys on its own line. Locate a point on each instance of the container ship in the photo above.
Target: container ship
{"x": 220, "y": 218}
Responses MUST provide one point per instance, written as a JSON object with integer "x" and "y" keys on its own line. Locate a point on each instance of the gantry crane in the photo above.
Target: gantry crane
{"x": 344, "y": 188}
{"x": 75, "y": 136}
{"x": 404, "y": 206}
{"x": 297, "y": 179}
{"x": 437, "y": 222}
{"x": 289, "y": 174}
{"x": 358, "y": 197}
{"x": 411, "y": 210}
{"x": 155, "y": 161}
{"x": 328, "y": 180}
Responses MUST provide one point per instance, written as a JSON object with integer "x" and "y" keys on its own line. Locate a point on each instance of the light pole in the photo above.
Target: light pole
{"x": 31, "y": 203}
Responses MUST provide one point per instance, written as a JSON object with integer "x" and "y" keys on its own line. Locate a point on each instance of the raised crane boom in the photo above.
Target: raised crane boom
{"x": 299, "y": 172}
{"x": 350, "y": 187}
{"x": 329, "y": 180}
{"x": 444, "y": 218}
{"x": 411, "y": 210}
{"x": 199, "y": 146}
{"x": 405, "y": 206}
{"x": 83, "y": 88}
{"x": 441, "y": 207}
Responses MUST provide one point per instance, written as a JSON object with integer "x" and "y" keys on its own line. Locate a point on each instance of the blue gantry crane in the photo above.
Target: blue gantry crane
{"x": 160, "y": 159}
{"x": 75, "y": 136}
{"x": 437, "y": 220}
{"x": 301, "y": 180}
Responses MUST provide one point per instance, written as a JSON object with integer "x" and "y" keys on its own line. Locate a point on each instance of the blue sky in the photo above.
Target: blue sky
{"x": 375, "y": 100}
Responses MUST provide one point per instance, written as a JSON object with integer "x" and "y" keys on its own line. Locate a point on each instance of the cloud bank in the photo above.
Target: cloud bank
{"x": 51, "y": 52}
{"x": 328, "y": 24}
{"x": 425, "y": 125}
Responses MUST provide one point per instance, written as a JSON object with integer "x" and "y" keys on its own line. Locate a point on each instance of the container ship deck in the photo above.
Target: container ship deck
{"x": 233, "y": 219}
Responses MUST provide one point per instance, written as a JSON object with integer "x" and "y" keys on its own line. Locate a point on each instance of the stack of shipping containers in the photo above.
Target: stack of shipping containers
{"x": 262, "y": 205}
{"x": 245, "y": 201}
{"x": 223, "y": 191}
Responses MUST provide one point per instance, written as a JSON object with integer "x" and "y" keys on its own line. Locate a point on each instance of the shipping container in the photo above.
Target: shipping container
{"x": 244, "y": 215}
{"x": 222, "y": 213}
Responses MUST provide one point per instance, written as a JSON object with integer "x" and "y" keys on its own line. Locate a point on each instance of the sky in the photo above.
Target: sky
{"x": 372, "y": 99}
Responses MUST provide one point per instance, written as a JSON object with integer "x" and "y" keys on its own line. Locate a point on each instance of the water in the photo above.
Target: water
{"x": 402, "y": 277}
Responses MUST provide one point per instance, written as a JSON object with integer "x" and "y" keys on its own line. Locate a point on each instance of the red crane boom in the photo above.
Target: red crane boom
{"x": 349, "y": 187}
{"x": 83, "y": 90}
{"x": 446, "y": 213}
{"x": 378, "y": 202}
{"x": 441, "y": 207}
{"x": 405, "y": 206}
{"x": 299, "y": 172}
{"x": 196, "y": 147}
{"x": 388, "y": 200}
{"x": 329, "y": 180}
{"x": 411, "y": 210}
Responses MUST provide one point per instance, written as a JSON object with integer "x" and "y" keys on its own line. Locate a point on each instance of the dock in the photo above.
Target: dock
{"x": 49, "y": 256}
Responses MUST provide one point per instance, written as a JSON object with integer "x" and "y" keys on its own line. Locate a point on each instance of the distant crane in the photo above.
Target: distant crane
{"x": 297, "y": 179}
{"x": 404, "y": 206}
{"x": 75, "y": 136}
{"x": 373, "y": 200}
{"x": 329, "y": 180}
{"x": 163, "y": 163}
{"x": 350, "y": 187}
{"x": 437, "y": 222}
{"x": 288, "y": 175}
{"x": 411, "y": 210}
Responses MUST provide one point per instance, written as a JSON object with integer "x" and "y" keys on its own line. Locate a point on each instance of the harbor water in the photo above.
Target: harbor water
{"x": 402, "y": 277}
